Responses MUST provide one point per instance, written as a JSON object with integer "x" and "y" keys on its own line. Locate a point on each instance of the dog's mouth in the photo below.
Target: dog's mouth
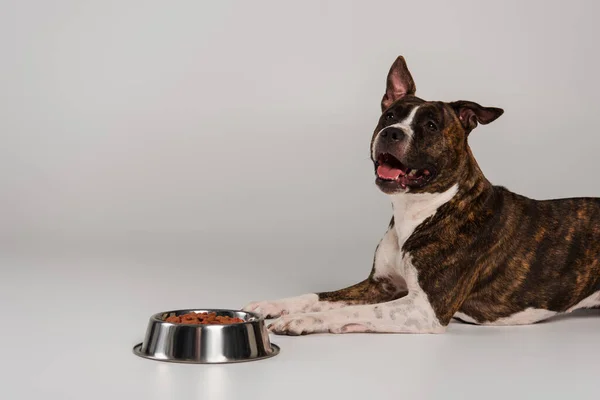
{"x": 389, "y": 169}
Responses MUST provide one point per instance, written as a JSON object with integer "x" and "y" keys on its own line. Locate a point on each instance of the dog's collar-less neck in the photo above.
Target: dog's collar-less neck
{"x": 473, "y": 184}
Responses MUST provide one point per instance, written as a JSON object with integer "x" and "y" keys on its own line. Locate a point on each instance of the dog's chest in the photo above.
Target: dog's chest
{"x": 410, "y": 211}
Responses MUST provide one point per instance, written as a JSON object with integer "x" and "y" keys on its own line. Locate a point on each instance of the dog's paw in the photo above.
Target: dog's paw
{"x": 297, "y": 324}
{"x": 277, "y": 308}
{"x": 266, "y": 309}
{"x": 317, "y": 322}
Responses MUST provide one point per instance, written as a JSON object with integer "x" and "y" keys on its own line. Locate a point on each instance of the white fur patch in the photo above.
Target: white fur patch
{"x": 405, "y": 125}
{"x": 386, "y": 256}
{"x": 588, "y": 302}
{"x": 464, "y": 317}
{"x": 525, "y": 317}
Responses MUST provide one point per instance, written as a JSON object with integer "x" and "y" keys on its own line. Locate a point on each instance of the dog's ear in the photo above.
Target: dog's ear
{"x": 399, "y": 83}
{"x": 470, "y": 114}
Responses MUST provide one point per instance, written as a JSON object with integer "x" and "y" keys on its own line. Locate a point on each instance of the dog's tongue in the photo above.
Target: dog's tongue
{"x": 386, "y": 171}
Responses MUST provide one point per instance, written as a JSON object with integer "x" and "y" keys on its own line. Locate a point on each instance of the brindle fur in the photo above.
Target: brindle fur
{"x": 369, "y": 291}
{"x": 488, "y": 252}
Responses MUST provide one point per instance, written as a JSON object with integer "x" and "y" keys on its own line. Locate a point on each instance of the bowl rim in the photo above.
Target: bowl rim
{"x": 157, "y": 317}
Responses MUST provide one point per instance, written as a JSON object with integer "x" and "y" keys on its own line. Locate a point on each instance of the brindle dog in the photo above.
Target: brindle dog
{"x": 457, "y": 246}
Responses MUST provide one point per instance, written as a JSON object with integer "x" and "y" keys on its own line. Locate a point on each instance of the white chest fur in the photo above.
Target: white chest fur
{"x": 411, "y": 209}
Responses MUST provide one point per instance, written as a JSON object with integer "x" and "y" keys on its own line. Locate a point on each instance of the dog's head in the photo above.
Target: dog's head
{"x": 420, "y": 146}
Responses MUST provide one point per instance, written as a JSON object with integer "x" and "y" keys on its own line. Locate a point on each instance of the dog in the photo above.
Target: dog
{"x": 457, "y": 246}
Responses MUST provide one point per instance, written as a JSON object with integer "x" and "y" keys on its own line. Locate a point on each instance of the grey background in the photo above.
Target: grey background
{"x": 253, "y": 119}
{"x": 147, "y": 147}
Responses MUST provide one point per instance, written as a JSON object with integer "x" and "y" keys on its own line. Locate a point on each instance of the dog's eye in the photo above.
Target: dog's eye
{"x": 389, "y": 115}
{"x": 431, "y": 126}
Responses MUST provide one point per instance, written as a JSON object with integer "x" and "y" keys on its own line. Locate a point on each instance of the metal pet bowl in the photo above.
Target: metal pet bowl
{"x": 206, "y": 344}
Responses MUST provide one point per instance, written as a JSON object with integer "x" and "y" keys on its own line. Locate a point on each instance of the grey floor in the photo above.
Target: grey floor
{"x": 72, "y": 314}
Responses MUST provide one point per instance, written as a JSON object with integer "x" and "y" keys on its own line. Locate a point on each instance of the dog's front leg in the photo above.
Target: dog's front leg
{"x": 409, "y": 314}
{"x": 427, "y": 308}
{"x": 371, "y": 290}
{"x": 384, "y": 284}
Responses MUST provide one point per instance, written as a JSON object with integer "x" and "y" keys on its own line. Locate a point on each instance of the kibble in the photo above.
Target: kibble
{"x": 203, "y": 319}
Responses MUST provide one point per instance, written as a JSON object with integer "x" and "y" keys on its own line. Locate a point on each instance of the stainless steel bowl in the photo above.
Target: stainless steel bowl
{"x": 206, "y": 344}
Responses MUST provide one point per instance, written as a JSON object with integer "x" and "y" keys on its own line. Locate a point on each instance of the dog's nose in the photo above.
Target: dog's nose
{"x": 394, "y": 134}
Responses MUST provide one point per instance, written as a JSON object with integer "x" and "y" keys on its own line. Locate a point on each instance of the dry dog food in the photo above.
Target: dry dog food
{"x": 203, "y": 319}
